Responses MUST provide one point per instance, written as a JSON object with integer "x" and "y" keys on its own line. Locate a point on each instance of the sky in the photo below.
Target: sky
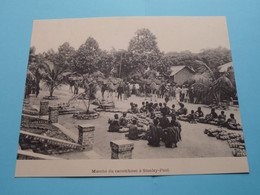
{"x": 174, "y": 34}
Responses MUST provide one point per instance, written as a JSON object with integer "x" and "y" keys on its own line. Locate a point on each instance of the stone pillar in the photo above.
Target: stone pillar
{"x": 44, "y": 107}
{"x": 53, "y": 114}
{"x": 121, "y": 149}
{"x": 86, "y": 136}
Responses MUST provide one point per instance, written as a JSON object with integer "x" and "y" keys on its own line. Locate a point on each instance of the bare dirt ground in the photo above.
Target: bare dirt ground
{"x": 194, "y": 142}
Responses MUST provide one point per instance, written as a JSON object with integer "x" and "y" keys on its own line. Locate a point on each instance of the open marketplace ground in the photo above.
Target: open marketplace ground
{"x": 194, "y": 142}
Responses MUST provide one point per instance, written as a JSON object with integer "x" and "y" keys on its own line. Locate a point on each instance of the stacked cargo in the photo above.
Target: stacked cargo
{"x": 234, "y": 140}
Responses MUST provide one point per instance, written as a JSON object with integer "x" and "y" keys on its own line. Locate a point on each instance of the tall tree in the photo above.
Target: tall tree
{"x": 65, "y": 55}
{"x": 144, "y": 49}
{"x": 87, "y": 57}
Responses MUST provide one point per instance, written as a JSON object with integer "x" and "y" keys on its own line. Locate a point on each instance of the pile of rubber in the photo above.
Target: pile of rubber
{"x": 235, "y": 140}
{"x": 86, "y": 116}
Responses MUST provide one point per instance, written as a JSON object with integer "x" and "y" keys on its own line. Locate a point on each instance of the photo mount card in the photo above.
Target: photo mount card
{"x": 130, "y": 96}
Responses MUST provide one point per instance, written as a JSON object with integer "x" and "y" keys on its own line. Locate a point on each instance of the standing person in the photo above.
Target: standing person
{"x": 131, "y": 88}
{"x": 37, "y": 90}
{"x": 178, "y": 93}
{"x": 76, "y": 87}
{"x": 154, "y": 134}
{"x": 71, "y": 84}
{"x": 137, "y": 87}
{"x": 182, "y": 93}
{"x": 120, "y": 91}
{"x": 162, "y": 89}
{"x": 103, "y": 89}
{"x": 185, "y": 94}
{"x": 134, "y": 90}
{"x": 174, "y": 91}
{"x": 190, "y": 94}
{"x": 128, "y": 90}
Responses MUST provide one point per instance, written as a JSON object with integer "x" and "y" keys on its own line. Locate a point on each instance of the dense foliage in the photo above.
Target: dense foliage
{"x": 142, "y": 62}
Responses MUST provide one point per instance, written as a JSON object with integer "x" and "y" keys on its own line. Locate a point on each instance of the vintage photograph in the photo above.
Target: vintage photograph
{"x": 125, "y": 89}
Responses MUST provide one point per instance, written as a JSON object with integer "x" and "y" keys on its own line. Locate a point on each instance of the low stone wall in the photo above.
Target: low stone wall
{"x": 33, "y": 119}
{"x": 27, "y": 155}
{"x": 46, "y": 145}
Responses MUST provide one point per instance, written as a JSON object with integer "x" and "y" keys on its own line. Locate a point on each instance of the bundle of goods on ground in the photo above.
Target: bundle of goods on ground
{"x": 65, "y": 108}
{"x": 103, "y": 105}
{"x": 235, "y": 140}
{"x": 86, "y": 115}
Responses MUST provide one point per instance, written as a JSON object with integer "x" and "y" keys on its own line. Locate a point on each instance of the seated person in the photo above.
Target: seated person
{"x": 182, "y": 110}
{"x": 143, "y": 108}
{"x": 135, "y": 109}
{"x": 164, "y": 122}
{"x": 212, "y": 116}
{"x": 160, "y": 107}
{"x": 156, "y": 107}
{"x": 123, "y": 121}
{"x": 114, "y": 124}
{"x": 165, "y": 110}
{"x": 133, "y": 131}
{"x": 154, "y": 134}
{"x": 177, "y": 126}
{"x": 222, "y": 118}
{"x": 152, "y": 114}
{"x": 150, "y": 107}
{"x": 191, "y": 117}
{"x": 132, "y": 105}
{"x": 199, "y": 113}
{"x": 172, "y": 134}
{"x": 147, "y": 106}
{"x": 174, "y": 122}
{"x": 232, "y": 123}
{"x": 173, "y": 111}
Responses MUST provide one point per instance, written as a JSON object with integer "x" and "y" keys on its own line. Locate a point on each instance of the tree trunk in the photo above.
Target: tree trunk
{"x": 88, "y": 106}
{"x": 51, "y": 91}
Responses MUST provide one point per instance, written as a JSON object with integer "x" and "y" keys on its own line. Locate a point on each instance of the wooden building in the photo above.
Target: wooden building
{"x": 181, "y": 74}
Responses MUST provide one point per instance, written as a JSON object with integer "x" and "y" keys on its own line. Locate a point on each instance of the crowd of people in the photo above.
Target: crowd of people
{"x": 165, "y": 126}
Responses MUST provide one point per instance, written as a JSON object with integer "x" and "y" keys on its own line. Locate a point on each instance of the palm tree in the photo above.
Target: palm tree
{"x": 221, "y": 85}
{"x": 53, "y": 76}
{"x": 208, "y": 86}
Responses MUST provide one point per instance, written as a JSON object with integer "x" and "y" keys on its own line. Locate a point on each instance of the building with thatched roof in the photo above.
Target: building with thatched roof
{"x": 181, "y": 74}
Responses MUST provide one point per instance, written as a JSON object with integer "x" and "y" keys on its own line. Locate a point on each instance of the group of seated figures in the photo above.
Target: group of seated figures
{"x": 211, "y": 118}
{"x": 161, "y": 129}
{"x": 164, "y": 130}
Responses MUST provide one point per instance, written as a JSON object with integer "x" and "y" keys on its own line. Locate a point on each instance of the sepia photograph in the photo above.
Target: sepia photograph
{"x": 130, "y": 96}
